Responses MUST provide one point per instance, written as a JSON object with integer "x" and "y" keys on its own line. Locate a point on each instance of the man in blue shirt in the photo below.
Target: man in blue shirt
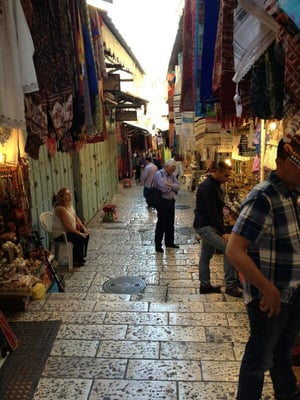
{"x": 166, "y": 181}
{"x": 265, "y": 248}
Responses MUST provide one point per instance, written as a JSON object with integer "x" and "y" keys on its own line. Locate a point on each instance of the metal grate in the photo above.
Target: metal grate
{"x": 23, "y": 368}
{"x": 124, "y": 285}
{"x": 182, "y": 207}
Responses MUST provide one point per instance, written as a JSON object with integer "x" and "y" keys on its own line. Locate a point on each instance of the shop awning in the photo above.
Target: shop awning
{"x": 135, "y": 129}
{"x": 125, "y": 101}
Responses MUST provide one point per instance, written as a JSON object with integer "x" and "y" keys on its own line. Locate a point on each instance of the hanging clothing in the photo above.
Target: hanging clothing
{"x": 223, "y": 86}
{"x": 188, "y": 89}
{"x": 211, "y": 11}
{"x": 254, "y": 32}
{"x": 17, "y": 71}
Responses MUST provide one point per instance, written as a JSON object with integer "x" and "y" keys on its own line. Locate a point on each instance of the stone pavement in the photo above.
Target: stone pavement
{"x": 167, "y": 342}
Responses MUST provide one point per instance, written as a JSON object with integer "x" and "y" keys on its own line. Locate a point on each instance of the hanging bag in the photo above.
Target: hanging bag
{"x": 154, "y": 197}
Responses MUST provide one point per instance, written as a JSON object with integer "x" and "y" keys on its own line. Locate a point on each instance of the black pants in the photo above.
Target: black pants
{"x": 80, "y": 244}
{"x": 165, "y": 223}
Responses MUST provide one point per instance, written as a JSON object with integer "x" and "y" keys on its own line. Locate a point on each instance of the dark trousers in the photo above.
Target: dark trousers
{"x": 270, "y": 348}
{"x": 80, "y": 245}
{"x": 165, "y": 223}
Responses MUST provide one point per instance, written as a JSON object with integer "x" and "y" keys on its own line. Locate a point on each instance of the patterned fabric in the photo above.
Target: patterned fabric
{"x": 223, "y": 86}
{"x": 267, "y": 85}
{"x": 269, "y": 218}
{"x": 271, "y": 6}
{"x": 254, "y": 32}
{"x": 188, "y": 95}
{"x": 292, "y": 68}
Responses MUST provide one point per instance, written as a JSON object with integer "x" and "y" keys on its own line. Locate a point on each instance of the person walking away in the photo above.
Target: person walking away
{"x": 209, "y": 225}
{"x": 264, "y": 247}
{"x": 65, "y": 219}
{"x": 148, "y": 175}
{"x": 137, "y": 166}
{"x": 156, "y": 161}
{"x": 165, "y": 180}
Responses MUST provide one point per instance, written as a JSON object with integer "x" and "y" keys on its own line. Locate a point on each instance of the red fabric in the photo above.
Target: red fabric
{"x": 187, "y": 96}
{"x": 223, "y": 85}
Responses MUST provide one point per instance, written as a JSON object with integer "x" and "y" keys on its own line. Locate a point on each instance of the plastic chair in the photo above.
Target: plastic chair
{"x": 46, "y": 220}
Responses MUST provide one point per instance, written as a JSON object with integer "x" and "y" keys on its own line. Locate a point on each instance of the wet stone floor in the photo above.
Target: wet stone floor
{"x": 167, "y": 342}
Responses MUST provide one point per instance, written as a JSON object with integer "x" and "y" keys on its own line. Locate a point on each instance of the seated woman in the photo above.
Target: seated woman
{"x": 65, "y": 219}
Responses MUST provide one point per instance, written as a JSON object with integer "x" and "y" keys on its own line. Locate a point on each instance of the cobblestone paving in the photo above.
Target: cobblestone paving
{"x": 167, "y": 342}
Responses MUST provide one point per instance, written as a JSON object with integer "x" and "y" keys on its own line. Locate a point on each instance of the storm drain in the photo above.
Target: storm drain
{"x": 124, "y": 285}
{"x": 182, "y": 207}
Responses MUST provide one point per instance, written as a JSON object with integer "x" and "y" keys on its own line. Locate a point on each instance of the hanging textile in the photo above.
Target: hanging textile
{"x": 254, "y": 31}
{"x": 223, "y": 86}
{"x": 267, "y": 84}
{"x": 283, "y": 19}
{"x": 17, "y": 71}
{"x": 199, "y": 24}
{"x": 96, "y": 24}
{"x": 50, "y": 112}
{"x": 188, "y": 95}
{"x": 211, "y": 10}
{"x": 292, "y": 9}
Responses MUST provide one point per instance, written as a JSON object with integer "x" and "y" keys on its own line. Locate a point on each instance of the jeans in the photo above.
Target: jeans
{"x": 270, "y": 347}
{"x": 210, "y": 241}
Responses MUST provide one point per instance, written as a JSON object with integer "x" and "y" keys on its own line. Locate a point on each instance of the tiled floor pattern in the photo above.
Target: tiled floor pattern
{"x": 167, "y": 343}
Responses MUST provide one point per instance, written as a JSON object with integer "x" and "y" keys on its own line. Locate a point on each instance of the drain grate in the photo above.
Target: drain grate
{"x": 182, "y": 207}
{"x": 124, "y": 285}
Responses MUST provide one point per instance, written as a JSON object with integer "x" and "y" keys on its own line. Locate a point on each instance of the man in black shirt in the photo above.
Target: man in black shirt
{"x": 209, "y": 224}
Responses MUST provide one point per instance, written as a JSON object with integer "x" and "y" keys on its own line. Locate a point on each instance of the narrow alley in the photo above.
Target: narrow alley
{"x": 166, "y": 342}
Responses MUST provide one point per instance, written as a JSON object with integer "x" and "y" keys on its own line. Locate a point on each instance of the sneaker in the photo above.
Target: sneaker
{"x": 234, "y": 292}
{"x": 204, "y": 289}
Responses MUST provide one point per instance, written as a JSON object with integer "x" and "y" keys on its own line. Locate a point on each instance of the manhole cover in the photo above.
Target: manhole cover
{"x": 182, "y": 207}
{"x": 124, "y": 284}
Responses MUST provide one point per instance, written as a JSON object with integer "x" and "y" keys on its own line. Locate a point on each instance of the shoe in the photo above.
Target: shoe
{"x": 172, "y": 246}
{"x": 204, "y": 289}
{"x": 234, "y": 292}
{"x": 159, "y": 250}
{"x": 78, "y": 264}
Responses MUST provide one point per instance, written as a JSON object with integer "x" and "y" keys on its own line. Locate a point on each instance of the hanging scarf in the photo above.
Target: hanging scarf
{"x": 211, "y": 10}
{"x": 187, "y": 98}
{"x": 254, "y": 31}
{"x": 223, "y": 72}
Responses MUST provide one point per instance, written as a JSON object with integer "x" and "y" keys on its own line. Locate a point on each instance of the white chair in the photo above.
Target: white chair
{"x": 46, "y": 220}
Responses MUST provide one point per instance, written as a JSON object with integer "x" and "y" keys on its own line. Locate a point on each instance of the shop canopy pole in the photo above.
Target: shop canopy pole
{"x": 262, "y": 148}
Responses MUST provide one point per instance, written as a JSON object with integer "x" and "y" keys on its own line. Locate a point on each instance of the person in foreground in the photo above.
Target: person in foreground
{"x": 165, "y": 180}
{"x": 265, "y": 248}
{"x": 209, "y": 225}
{"x": 65, "y": 219}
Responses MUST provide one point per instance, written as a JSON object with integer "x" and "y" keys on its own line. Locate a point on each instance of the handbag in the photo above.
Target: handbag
{"x": 154, "y": 197}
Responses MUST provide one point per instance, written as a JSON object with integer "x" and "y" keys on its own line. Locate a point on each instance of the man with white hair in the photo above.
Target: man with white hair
{"x": 165, "y": 180}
